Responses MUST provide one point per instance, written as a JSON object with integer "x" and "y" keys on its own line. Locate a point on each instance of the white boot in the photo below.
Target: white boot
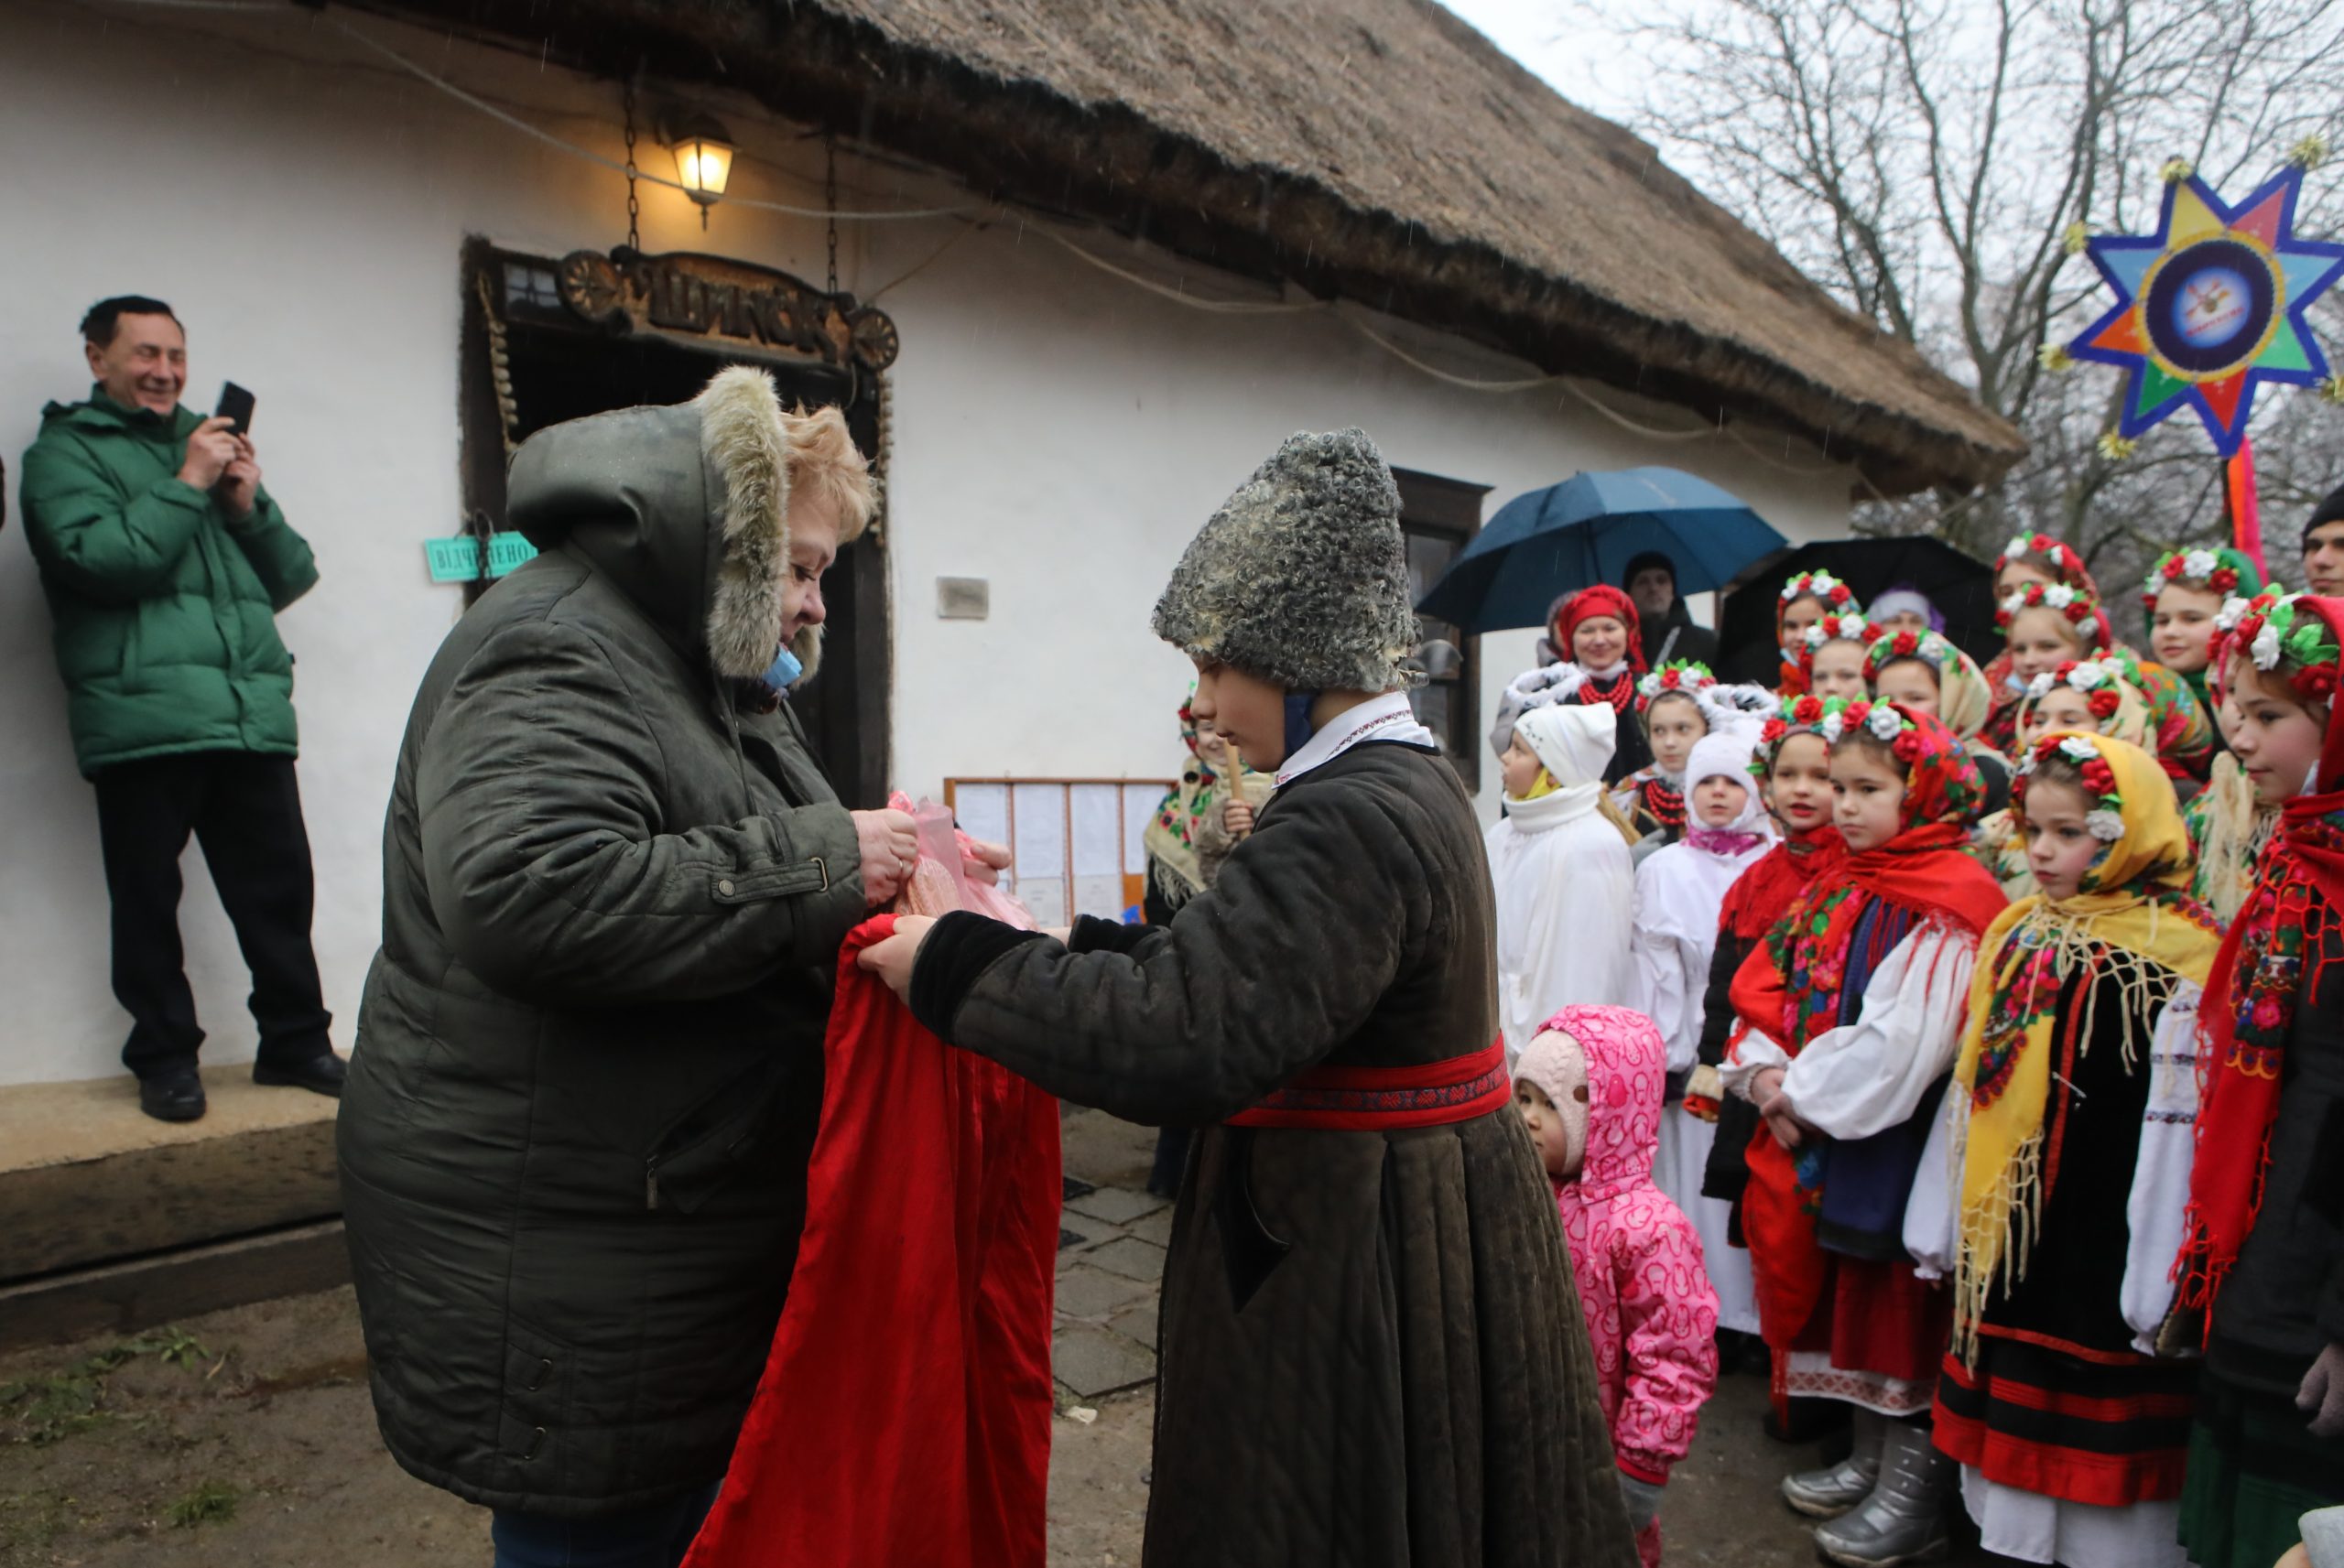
{"x": 1832, "y": 1491}
{"x": 1904, "y": 1520}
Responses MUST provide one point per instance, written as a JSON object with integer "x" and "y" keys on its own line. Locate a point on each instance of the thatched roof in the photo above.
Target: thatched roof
{"x": 1380, "y": 150}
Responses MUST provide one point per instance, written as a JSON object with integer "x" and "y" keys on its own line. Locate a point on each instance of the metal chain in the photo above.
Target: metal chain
{"x": 831, "y": 202}
{"x": 634, "y": 207}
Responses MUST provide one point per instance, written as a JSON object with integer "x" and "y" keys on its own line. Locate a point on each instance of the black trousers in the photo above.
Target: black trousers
{"x": 246, "y": 811}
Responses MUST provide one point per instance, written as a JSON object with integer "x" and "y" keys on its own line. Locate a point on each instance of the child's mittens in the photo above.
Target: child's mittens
{"x": 1643, "y": 1501}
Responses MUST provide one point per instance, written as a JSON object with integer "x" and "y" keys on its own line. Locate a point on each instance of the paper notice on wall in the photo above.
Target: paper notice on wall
{"x": 1041, "y": 832}
{"x": 982, "y": 811}
{"x": 1139, "y": 802}
{"x": 1096, "y": 811}
{"x": 1046, "y": 897}
{"x": 1099, "y": 895}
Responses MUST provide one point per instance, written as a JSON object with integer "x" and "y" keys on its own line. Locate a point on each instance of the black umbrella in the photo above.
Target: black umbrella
{"x": 1961, "y": 587}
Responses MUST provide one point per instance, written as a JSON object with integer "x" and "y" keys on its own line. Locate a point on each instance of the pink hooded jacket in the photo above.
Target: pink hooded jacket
{"x": 1652, "y": 1316}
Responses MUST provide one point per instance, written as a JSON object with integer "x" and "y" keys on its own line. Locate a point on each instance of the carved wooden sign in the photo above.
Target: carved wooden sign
{"x": 688, "y": 295}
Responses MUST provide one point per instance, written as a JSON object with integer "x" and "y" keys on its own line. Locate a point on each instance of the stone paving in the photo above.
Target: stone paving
{"x": 1111, "y": 1260}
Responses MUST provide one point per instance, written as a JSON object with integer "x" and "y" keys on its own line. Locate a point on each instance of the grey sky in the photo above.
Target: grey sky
{"x": 1577, "y": 60}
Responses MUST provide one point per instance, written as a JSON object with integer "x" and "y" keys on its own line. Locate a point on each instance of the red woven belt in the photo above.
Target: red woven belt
{"x": 1429, "y": 1094}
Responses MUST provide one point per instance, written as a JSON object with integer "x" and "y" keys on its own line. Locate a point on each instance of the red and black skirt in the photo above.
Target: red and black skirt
{"x": 2108, "y": 1428}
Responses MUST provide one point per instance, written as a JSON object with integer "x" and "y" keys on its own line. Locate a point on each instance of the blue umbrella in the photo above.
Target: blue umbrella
{"x": 1585, "y": 530}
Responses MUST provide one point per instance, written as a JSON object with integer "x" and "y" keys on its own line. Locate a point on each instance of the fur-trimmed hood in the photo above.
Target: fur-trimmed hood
{"x": 686, "y": 507}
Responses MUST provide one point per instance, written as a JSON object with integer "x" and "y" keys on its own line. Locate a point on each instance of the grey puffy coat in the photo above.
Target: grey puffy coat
{"x": 588, "y": 1068}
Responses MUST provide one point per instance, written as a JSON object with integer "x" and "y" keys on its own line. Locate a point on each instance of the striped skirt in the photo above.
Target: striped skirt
{"x": 2110, "y": 1429}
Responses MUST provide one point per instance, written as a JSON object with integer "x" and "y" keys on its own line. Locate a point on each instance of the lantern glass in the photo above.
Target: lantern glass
{"x": 703, "y": 165}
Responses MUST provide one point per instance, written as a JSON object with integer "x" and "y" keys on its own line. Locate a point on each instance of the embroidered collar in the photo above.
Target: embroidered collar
{"x": 1385, "y": 718}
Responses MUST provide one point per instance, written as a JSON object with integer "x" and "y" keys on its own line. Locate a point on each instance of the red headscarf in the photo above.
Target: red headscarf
{"x": 2272, "y": 945}
{"x": 1761, "y": 894}
{"x": 1601, "y": 598}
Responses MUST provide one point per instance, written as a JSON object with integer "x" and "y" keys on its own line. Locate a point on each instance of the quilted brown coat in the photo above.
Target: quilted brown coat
{"x": 1371, "y": 1352}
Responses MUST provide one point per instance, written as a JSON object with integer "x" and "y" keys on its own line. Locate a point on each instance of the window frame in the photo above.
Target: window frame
{"x": 1434, "y": 506}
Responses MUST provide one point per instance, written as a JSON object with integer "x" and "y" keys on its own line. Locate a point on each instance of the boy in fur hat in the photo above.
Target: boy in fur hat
{"x": 1372, "y": 1348}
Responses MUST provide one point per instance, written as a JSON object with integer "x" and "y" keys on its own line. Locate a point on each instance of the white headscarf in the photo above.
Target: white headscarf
{"x": 1553, "y": 860}
{"x": 1727, "y": 753}
{"x": 1574, "y": 741}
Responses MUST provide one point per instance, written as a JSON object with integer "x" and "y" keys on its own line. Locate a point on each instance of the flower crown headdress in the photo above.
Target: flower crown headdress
{"x": 2057, "y": 551}
{"x": 1945, "y": 782}
{"x": 1822, "y": 585}
{"x": 2206, "y": 565}
{"x": 2104, "y": 818}
{"x": 1689, "y": 677}
{"x": 1931, "y": 648}
{"x": 1850, "y": 626}
{"x": 2076, "y": 603}
{"x": 2281, "y": 632}
{"x": 2096, "y": 678}
{"x": 1800, "y": 715}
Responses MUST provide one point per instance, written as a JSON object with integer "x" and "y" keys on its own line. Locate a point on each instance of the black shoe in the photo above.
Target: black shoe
{"x": 321, "y": 1073}
{"x": 172, "y": 1097}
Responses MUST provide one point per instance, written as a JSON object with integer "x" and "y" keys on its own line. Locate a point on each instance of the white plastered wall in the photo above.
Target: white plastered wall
{"x": 301, "y": 203}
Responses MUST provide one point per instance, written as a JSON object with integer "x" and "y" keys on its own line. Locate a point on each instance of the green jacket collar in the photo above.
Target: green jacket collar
{"x": 101, "y": 412}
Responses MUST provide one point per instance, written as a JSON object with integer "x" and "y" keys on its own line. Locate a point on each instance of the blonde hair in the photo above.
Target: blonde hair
{"x": 1609, "y": 810}
{"x": 824, "y": 461}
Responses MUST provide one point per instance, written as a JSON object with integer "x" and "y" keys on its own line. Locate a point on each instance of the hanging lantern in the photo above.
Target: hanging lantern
{"x": 703, "y": 150}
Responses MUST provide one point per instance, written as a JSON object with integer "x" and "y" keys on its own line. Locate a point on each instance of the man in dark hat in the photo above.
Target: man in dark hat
{"x": 1669, "y": 633}
{"x": 2324, "y": 546}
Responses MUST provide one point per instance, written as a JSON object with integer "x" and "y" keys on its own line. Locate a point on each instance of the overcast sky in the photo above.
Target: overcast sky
{"x": 1575, "y": 60}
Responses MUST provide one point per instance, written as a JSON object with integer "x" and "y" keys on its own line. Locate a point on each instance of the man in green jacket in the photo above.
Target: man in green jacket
{"x": 165, "y": 563}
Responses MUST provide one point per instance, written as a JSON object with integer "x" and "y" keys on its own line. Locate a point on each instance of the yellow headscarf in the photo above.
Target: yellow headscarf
{"x": 2130, "y": 721}
{"x": 2131, "y": 919}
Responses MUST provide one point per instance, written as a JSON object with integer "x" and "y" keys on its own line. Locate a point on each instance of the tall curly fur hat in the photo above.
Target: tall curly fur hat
{"x": 1301, "y": 578}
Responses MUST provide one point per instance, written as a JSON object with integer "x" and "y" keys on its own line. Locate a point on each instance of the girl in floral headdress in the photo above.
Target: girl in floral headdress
{"x": 1853, "y": 1015}
{"x": 2069, "y": 1129}
{"x": 1671, "y": 706}
{"x": 2049, "y": 625}
{"x": 1923, "y": 671}
{"x": 1174, "y": 873}
{"x": 2184, "y": 594}
{"x": 1805, "y": 600}
{"x": 1831, "y": 655}
{"x": 2028, "y": 559}
{"x": 1792, "y": 770}
{"x": 1194, "y": 829}
{"x": 2092, "y": 695}
{"x": 2261, "y": 1264}
{"x": 2229, "y": 821}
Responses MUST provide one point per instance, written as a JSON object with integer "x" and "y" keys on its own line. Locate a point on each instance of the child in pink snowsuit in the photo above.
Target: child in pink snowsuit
{"x": 1590, "y": 1088}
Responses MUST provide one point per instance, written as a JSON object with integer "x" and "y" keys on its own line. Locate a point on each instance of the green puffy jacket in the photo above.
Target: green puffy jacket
{"x": 589, "y": 1056}
{"x": 164, "y": 607}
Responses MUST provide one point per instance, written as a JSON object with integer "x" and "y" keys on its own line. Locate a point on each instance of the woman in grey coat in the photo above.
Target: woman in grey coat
{"x": 1372, "y": 1349}
{"x": 588, "y": 1059}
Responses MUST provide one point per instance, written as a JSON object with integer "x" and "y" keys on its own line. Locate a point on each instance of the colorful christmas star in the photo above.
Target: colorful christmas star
{"x": 2210, "y": 304}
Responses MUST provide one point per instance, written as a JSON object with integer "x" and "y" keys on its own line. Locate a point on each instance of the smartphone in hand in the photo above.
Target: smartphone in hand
{"x": 235, "y": 404}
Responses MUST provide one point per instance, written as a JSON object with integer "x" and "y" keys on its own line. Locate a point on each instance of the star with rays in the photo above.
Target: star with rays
{"x": 2210, "y": 304}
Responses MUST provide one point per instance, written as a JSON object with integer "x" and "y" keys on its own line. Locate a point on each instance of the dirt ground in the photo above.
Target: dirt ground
{"x": 246, "y": 1438}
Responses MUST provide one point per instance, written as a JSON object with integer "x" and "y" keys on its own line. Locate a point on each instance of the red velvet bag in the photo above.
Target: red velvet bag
{"x": 904, "y": 1412}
